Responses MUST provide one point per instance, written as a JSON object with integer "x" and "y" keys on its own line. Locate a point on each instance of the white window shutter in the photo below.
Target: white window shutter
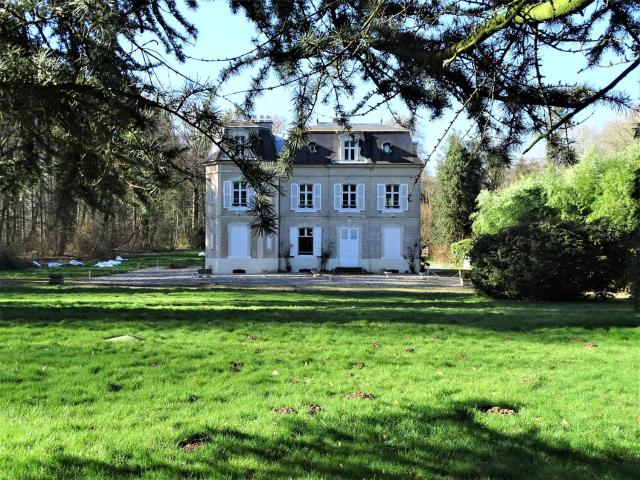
{"x": 360, "y": 196}
{"x": 317, "y": 241}
{"x": 337, "y": 196}
{"x": 404, "y": 197}
{"x": 317, "y": 197}
{"x": 227, "y": 194}
{"x": 293, "y": 241}
{"x": 295, "y": 193}
{"x": 381, "y": 193}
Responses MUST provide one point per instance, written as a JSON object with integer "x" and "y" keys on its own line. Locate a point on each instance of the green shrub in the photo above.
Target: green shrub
{"x": 599, "y": 188}
{"x": 460, "y": 250}
{"x": 548, "y": 261}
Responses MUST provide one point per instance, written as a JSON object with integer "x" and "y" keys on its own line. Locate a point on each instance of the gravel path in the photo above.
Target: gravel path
{"x": 186, "y": 276}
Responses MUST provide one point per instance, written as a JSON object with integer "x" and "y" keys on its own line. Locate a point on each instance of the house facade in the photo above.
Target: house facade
{"x": 348, "y": 201}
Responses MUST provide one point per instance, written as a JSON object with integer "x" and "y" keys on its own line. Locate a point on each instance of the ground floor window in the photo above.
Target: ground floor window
{"x": 305, "y": 241}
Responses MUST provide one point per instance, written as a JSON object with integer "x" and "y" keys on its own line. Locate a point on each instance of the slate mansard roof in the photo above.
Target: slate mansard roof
{"x": 327, "y": 138}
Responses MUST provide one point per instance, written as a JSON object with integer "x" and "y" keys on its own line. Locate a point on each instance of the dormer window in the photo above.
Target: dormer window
{"x": 349, "y": 150}
{"x": 386, "y": 148}
{"x": 313, "y": 147}
{"x": 240, "y": 141}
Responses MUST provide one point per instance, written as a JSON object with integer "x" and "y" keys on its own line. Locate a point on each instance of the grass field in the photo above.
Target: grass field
{"x": 175, "y": 259}
{"x": 195, "y": 397}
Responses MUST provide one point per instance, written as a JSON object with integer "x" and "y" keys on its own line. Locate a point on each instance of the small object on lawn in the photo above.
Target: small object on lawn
{"x": 358, "y": 365}
{"x": 124, "y": 338}
{"x": 252, "y": 337}
{"x": 313, "y": 409}
{"x": 193, "y": 443}
{"x": 500, "y": 411}
{"x": 275, "y": 373}
{"x": 56, "y": 279}
{"x": 259, "y": 350}
{"x": 236, "y": 367}
{"x": 360, "y": 395}
{"x": 286, "y": 410}
{"x": 590, "y": 346}
{"x": 410, "y": 350}
{"x": 565, "y": 424}
{"x": 462, "y": 356}
{"x": 376, "y": 346}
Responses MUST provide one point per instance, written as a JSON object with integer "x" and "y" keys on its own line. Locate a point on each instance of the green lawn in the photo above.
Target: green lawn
{"x": 174, "y": 259}
{"x": 75, "y": 406}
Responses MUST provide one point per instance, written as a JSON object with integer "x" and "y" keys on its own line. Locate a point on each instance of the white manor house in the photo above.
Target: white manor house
{"x": 348, "y": 200}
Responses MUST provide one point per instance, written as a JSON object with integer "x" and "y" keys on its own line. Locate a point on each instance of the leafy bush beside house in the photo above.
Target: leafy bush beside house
{"x": 548, "y": 261}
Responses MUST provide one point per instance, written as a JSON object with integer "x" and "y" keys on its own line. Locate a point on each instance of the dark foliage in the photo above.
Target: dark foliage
{"x": 459, "y": 179}
{"x": 548, "y": 261}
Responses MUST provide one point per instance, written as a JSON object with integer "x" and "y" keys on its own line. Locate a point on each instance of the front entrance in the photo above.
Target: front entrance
{"x": 349, "y": 247}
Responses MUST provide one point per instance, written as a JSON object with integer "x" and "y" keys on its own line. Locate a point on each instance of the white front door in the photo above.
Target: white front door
{"x": 238, "y": 241}
{"x": 348, "y": 247}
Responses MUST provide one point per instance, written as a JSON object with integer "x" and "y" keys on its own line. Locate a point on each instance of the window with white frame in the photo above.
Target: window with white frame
{"x": 349, "y": 196}
{"x": 350, "y": 150}
{"x": 386, "y": 148}
{"x": 305, "y": 195}
{"x": 392, "y": 196}
{"x": 239, "y": 194}
{"x": 305, "y": 241}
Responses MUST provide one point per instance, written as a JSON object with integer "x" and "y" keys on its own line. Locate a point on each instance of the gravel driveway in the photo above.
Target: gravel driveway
{"x": 186, "y": 276}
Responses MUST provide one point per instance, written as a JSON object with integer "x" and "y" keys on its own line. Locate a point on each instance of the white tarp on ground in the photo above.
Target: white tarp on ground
{"x": 76, "y": 263}
{"x": 108, "y": 264}
{"x": 120, "y": 259}
{"x": 36, "y": 264}
{"x": 53, "y": 264}
{"x": 202, "y": 254}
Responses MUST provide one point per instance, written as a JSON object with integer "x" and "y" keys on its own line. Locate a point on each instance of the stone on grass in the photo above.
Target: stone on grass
{"x": 124, "y": 338}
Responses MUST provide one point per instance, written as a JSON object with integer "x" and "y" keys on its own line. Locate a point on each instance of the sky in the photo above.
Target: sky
{"x": 223, "y": 34}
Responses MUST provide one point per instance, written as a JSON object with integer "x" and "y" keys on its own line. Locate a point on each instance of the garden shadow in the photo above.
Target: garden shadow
{"x": 416, "y": 443}
{"x": 231, "y": 307}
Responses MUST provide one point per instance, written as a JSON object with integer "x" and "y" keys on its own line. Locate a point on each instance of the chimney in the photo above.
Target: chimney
{"x": 264, "y": 121}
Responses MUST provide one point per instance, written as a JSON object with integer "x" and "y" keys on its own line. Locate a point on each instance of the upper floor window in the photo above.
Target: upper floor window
{"x": 386, "y": 148}
{"x": 313, "y": 147}
{"x": 392, "y": 196}
{"x": 349, "y": 150}
{"x": 240, "y": 194}
{"x": 349, "y": 196}
{"x": 305, "y": 196}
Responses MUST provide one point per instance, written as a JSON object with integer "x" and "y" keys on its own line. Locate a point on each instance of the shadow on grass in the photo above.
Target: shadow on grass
{"x": 199, "y": 309}
{"x": 418, "y": 443}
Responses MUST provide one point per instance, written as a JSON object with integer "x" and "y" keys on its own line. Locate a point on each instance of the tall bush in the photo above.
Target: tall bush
{"x": 548, "y": 261}
{"x": 459, "y": 180}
